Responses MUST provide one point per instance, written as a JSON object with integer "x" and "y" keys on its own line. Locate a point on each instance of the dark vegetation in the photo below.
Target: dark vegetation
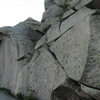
{"x": 6, "y": 91}
{"x": 19, "y": 96}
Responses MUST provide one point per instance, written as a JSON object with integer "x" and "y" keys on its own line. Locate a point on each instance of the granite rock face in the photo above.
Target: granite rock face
{"x": 61, "y": 51}
{"x": 17, "y": 48}
{"x": 71, "y": 49}
{"x": 91, "y": 75}
{"x": 43, "y": 74}
{"x": 48, "y": 4}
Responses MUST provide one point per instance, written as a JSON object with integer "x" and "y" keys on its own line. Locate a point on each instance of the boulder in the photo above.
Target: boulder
{"x": 91, "y": 75}
{"x": 53, "y": 11}
{"x": 59, "y": 28}
{"x": 71, "y": 49}
{"x": 53, "y": 32}
{"x": 43, "y": 74}
{"x": 48, "y": 4}
{"x": 75, "y": 18}
{"x": 48, "y": 22}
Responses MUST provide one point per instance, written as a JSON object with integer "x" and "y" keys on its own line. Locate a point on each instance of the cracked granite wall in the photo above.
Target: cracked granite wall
{"x": 62, "y": 50}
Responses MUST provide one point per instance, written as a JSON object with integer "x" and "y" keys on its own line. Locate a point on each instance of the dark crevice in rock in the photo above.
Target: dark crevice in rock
{"x": 97, "y": 12}
{"x": 64, "y": 19}
{"x": 67, "y": 17}
{"x": 74, "y": 9}
{"x": 46, "y": 29}
{"x": 30, "y": 54}
{"x": 42, "y": 33}
{"x": 95, "y": 4}
{"x": 65, "y": 93}
{"x": 56, "y": 60}
{"x": 38, "y": 54}
{"x": 70, "y": 88}
{"x": 89, "y": 86}
{"x": 0, "y": 41}
{"x": 62, "y": 34}
{"x": 59, "y": 36}
{"x": 21, "y": 58}
{"x": 72, "y": 84}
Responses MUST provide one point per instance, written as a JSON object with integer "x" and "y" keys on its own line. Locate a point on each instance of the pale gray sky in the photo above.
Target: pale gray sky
{"x": 14, "y": 11}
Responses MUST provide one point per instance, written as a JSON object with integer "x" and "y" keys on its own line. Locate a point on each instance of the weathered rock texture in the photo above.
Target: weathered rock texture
{"x": 16, "y": 50}
{"x": 60, "y": 52}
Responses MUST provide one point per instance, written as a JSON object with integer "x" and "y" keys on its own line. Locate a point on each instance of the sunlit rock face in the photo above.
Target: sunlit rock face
{"x": 60, "y": 52}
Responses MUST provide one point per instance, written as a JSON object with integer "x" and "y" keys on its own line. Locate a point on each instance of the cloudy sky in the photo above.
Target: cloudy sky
{"x": 14, "y": 11}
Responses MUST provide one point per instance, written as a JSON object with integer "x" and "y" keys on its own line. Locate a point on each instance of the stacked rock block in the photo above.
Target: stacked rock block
{"x": 64, "y": 63}
{"x": 71, "y": 40}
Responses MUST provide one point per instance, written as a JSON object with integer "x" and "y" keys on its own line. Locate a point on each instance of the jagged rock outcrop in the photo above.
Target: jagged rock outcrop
{"x": 60, "y": 52}
{"x": 16, "y": 50}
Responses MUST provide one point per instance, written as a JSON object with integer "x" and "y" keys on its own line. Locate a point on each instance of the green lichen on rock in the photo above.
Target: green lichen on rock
{"x": 20, "y": 96}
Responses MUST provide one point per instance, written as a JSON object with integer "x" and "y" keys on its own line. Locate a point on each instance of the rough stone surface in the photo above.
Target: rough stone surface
{"x": 53, "y": 32}
{"x": 16, "y": 51}
{"x": 66, "y": 56}
{"x": 82, "y": 3}
{"x": 41, "y": 42}
{"x": 56, "y": 30}
{"x": 93, "y": 92}
{"x": 48, "y": 22}
{"x": 48, "y": 4}
{"x": 53, "y": 11}
{"x": 72, "y": 3}
{"x": 2, "y": 60}
{"x": 5, "y": 29}
{"x": 43, "y": 74}
{"x": 35, "y": 25}
{"x": 91, "y": 75}
{"x": 71, "y": 49}
{"x": 68, "y": 13}
{"x": 60, "y": 2}
{"x": 75, "y": 18}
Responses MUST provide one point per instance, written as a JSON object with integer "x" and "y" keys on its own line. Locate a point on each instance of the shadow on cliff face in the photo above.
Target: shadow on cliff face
{"x": 97, "y": 96}
{"x": 95, "y": 4}
{"x": 65, "y": 93}
{"x": 70, "y": 91}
